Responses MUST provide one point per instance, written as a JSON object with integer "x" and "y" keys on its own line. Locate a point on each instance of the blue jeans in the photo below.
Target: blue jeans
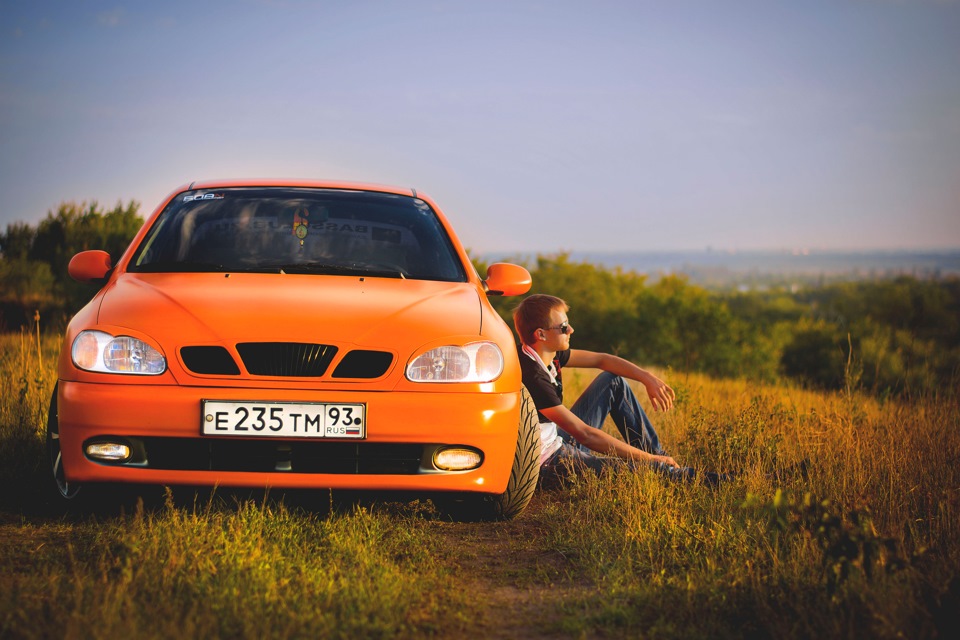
{"x": 610, "y": 395}
{"x": 575, "y": 457}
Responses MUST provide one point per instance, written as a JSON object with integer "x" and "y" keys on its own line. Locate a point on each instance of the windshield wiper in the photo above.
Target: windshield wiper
{"x": 178, "y": 267}
{"x": 328, "y": 269}
{"x": 319, "y": 268}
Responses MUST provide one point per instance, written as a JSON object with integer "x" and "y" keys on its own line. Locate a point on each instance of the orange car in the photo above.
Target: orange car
{"x": 296, "y": 335}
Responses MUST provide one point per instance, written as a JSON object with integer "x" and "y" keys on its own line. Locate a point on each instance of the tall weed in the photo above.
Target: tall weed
{"x": 27, "y": 375}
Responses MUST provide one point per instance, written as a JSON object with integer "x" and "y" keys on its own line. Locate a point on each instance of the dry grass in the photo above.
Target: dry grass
{"x": 865, "y": 542}
{"x": 28, "y": 365}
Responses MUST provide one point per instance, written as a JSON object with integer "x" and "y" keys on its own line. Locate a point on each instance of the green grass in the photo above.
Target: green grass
{"x": 214, "y": 571}
{"x": 866, "y": 543}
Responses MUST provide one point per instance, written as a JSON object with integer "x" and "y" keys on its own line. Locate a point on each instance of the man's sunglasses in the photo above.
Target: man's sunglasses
{"x": 563, "y": 328}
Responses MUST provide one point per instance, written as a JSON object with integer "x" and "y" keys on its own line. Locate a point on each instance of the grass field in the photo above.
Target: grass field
{"x": 862, "y": 541}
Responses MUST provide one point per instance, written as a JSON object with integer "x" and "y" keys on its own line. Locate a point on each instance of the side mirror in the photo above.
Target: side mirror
{"x": 504, "y": 279}
{"x": 89, "y": 266}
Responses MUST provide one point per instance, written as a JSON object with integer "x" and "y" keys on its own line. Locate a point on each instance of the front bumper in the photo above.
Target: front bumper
{"x": 162, "y": 424}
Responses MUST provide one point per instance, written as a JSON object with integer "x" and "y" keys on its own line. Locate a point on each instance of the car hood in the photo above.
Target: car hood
{"x": 394, "y": 314}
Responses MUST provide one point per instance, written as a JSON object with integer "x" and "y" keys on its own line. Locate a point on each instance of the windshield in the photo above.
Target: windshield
{"x": 284, "y": 230}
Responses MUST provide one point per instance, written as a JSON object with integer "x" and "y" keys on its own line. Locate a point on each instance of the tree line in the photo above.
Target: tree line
{"x": 891, "y": 337}
{"x": 34, "y": 259}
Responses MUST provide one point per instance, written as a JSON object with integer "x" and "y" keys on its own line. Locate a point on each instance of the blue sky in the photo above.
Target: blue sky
{"x": 536, "y": 126}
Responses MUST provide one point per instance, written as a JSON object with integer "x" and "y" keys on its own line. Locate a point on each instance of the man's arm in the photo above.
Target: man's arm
{"x": 600, "y": 441}
{"x": 661, "y": 395}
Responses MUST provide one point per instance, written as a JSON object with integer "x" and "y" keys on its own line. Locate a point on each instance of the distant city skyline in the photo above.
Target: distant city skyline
{"x": 536, "y": 126}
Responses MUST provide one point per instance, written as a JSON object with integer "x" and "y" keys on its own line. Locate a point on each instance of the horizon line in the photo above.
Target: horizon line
{"x": 793, "y": 251}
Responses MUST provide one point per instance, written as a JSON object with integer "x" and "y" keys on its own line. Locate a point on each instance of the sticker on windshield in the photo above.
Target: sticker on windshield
{"x": 203, "y": 196}
{"x": 301, "y": 220}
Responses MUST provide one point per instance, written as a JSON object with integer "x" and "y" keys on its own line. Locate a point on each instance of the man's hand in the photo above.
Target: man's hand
{"x": 667, "y": 460}
{"x": 661, "y": 395}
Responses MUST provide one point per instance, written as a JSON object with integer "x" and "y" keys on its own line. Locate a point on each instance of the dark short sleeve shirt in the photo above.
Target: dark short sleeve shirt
{"x": 545, "y": 394}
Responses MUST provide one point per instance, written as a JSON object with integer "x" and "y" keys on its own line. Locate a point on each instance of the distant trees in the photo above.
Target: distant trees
{"x": 33, "y": 261}
{"x": 897, "y": 336}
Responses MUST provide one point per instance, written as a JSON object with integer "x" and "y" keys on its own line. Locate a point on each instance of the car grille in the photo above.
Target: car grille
{"x": 209, "y": 361}
{"x": 286, "y": 359}
{"x": 210, "y": 454}
{"x": 363, "y": 364}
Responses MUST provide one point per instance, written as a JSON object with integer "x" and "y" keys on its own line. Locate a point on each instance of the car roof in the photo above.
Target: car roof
{"x": 315, "y": 184}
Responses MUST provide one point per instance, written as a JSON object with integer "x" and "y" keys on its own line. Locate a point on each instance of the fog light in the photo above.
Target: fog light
{"x": 108, "y": 451}
{"x": 457, "y": 459}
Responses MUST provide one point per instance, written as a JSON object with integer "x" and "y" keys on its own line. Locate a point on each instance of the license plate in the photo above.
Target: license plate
{"x": 284, "y": 419}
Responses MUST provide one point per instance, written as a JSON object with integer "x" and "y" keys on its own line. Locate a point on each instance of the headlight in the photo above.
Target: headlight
{"x": 99, "y": 351}
{"x": 476, "y": 362}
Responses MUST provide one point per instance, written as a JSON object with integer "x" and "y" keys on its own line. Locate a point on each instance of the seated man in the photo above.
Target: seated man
{"x": 544, "y": 329}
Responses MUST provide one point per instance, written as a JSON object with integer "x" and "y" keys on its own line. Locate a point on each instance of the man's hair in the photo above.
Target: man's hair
{"x": 533, "y": 313}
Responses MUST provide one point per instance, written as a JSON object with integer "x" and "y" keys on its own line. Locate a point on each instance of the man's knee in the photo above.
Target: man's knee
{"x": 617, "y": 384}
{"x": 610, "y": 379}
{"x": 619, "y": 387}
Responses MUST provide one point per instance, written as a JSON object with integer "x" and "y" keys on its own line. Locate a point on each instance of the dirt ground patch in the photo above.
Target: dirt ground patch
{"x": 509, "y": 569}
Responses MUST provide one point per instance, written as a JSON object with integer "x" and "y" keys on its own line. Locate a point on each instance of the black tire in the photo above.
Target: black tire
{"x": 67, "y": 492}
{"x": 523, "y": 477}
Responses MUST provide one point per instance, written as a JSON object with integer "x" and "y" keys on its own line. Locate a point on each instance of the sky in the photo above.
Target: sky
{"x": 536, "y": 126}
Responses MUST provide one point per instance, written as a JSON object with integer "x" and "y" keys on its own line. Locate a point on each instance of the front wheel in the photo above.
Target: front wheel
{"x": 523, "y": 477}
{"x": 68, "y": 491}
